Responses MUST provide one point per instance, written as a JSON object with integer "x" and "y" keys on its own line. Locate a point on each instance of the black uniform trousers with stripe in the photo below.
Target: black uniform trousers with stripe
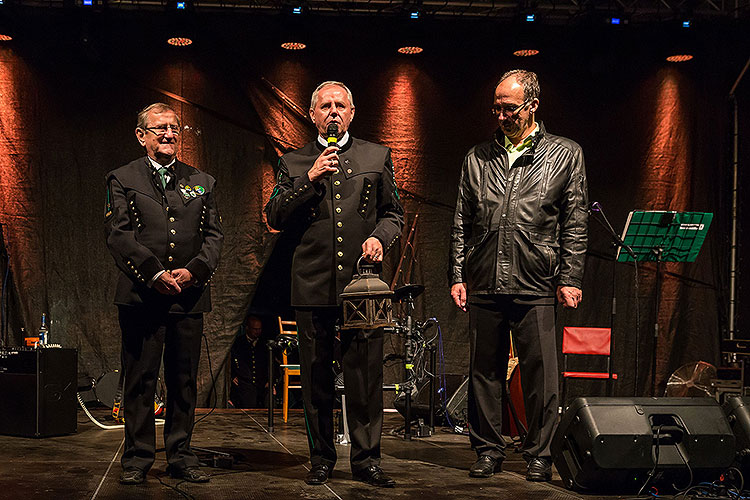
{"x": 362, "y": 363}
{"x": 146, "y": 333}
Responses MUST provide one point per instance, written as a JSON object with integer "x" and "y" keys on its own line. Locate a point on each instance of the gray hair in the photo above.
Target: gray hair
{"x": 314, "y": 99}
{"x": 157, "y": 107}
{"x": 527, "y": 79}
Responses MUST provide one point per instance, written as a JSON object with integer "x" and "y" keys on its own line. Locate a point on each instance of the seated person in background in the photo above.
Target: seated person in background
{"x": 249, "y": 366}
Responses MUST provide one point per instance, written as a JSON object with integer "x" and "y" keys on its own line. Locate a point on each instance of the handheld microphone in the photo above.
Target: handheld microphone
{"x": 594, "y": 206}
{"x": 333, "y": 134}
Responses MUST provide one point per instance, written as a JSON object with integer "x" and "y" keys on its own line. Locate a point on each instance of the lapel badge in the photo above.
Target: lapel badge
{"x": 200, "y": 189}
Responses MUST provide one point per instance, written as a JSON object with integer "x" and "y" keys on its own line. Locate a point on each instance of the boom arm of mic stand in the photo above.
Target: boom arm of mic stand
{"x": 613, "y": 234}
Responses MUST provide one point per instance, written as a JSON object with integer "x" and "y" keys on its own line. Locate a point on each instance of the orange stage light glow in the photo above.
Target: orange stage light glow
{"x": 526, "y": 52}
{"x": 5, "y": 38}
{"x": 679, "y": 58}
{"x": 410, "y": 50}
{"x": 179, "y": 41}
{"x": 401, "y": 128}
{"x": 293, "y": 46}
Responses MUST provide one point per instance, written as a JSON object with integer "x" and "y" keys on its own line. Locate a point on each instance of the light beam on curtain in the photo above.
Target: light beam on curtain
{"x": 666, "y": 185}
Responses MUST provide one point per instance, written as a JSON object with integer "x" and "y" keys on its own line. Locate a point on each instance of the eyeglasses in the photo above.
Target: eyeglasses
{"x": 162, "y": 130}
{"x": 509, "y": 109}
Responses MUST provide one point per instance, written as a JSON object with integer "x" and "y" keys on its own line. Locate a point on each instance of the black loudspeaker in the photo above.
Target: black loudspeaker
{"x": 457, "y": 407}
{"x": 420, "y": 401}
{"x": 38, "y": 391}
{"x": 612, "y": 443}
{"x": 737, "y": 411}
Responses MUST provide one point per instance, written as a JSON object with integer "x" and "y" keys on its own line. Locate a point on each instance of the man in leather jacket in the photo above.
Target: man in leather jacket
{"x": 518, "y": 243}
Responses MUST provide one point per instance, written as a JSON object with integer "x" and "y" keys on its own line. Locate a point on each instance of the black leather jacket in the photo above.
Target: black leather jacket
{"x": 520, "y": 230}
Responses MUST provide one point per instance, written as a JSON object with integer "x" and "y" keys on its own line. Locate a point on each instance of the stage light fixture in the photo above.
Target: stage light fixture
{"x": 680, "y": 58}
{"x": 5, "y": 38}
{"x": 410, "y": 50}
{"x": 88, "y": 3}
{"x": 530, "y": 18}
{"x": 293, "y": 46}
{"x": 179, "y": 41}
{"x": 414, "y": 14}
{"x": 687, "y": 23}
{"x": 614, "y": 20}
{"x": 180, "y": 5}
{"x": 525, "y": 52}
{"x": 297, "y": 9}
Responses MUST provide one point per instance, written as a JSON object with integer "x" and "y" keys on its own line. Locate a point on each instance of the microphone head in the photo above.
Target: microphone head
{"x": 595, "y": 207}
{"x": 332, "y": 132}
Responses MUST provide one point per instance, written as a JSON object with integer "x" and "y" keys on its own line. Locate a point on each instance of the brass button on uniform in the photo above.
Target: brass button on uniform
{"x": 171, "y": 245}
{"x": 340, "y": 254}
{"x": 340, "y": 224}
{"x": 170, "y": 258}
{"x": 171, "y": 219}
{"x": 338, "y": 196}
{"x": 339, "y": 239}
{"x": 173, "y": 231}
{"x": 336, "y": 183}
{"x": 340, "y": 267}
{"x": 338, "y": 210}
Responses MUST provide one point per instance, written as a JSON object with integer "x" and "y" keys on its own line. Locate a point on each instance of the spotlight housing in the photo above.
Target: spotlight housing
{"x": 678, "y": 58}
{"x": 526, "y": 52}
{"x": 530, "y": 18}
{"x": 179, "y": 41}
{"x": 410, "y": 50}
{"x": 293, "y": 45}
{"x": 687, "y": 23}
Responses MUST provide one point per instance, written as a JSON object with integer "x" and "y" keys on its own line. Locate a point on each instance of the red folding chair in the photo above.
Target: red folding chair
{"x": 585, "y": 341}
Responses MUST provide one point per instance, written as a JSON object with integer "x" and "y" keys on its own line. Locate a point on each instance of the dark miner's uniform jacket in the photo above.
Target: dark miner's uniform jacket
{"x": 150, "y": 229}
{"x": 334, "y": 216}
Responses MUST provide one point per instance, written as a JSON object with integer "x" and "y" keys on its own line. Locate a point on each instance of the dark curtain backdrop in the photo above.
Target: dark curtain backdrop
{"x": 655, "y": 136}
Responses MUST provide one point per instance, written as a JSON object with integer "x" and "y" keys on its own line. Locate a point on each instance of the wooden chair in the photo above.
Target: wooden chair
{"x": 585, "y": 341}
{"x": 288, "y": 370}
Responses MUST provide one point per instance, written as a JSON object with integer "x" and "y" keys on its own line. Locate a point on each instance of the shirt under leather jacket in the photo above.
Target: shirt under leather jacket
{"x": 520, "y": 230}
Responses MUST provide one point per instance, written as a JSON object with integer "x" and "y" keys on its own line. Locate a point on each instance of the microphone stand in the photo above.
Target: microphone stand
{"x": 617, "y": 242}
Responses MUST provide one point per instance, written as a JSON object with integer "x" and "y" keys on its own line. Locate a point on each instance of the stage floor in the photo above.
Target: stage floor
{"x": 86, "y": 465}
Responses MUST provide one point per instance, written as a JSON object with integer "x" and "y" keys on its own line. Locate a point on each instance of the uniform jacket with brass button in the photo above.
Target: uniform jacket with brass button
{"x": 332, "y": 217}
{"x": 150, "y": 228}
{"x": 520, "y": 229}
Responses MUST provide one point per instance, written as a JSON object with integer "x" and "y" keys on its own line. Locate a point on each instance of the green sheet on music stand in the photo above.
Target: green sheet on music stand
{"x": 679, "y": 235}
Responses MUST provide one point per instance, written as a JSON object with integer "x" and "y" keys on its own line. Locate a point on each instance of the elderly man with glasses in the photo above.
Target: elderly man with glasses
{"x": 518, "y": 242}
{"x": 164, "y": 231}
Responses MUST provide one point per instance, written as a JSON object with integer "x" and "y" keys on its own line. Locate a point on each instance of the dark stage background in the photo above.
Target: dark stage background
{"x": 656, "y": 136}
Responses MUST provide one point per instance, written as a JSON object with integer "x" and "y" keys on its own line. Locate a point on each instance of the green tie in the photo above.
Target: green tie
{"x": 163, "y": 176}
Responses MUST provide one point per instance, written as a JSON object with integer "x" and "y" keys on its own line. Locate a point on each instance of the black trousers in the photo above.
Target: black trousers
{"x": 362, "y": 360}
{"x": 532, "y": 321}
{"x": 145, "y": 335}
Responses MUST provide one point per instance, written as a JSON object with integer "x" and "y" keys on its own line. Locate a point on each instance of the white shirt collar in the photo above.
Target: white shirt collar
{"x": 158, "y": 165}
{"x": 341, "y": 142}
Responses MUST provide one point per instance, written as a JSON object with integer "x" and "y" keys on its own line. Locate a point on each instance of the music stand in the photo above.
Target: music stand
{"x": 663, "y": 236}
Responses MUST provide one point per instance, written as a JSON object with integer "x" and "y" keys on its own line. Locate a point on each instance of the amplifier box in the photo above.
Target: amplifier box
{"x": 38, "y": 391}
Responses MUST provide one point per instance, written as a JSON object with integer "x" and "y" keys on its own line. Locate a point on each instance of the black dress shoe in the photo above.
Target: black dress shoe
{"x": 190, "y": 474}
{"x": 539, "y": 469}
{"x": 132, "y": 475}
{"x": 319, "y": 474}
{"x": 485, "y": 466}
{"x": 374, "y": 476}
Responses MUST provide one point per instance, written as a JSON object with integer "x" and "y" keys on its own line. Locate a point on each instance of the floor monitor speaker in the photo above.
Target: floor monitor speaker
{"x": 620, "y": 443}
